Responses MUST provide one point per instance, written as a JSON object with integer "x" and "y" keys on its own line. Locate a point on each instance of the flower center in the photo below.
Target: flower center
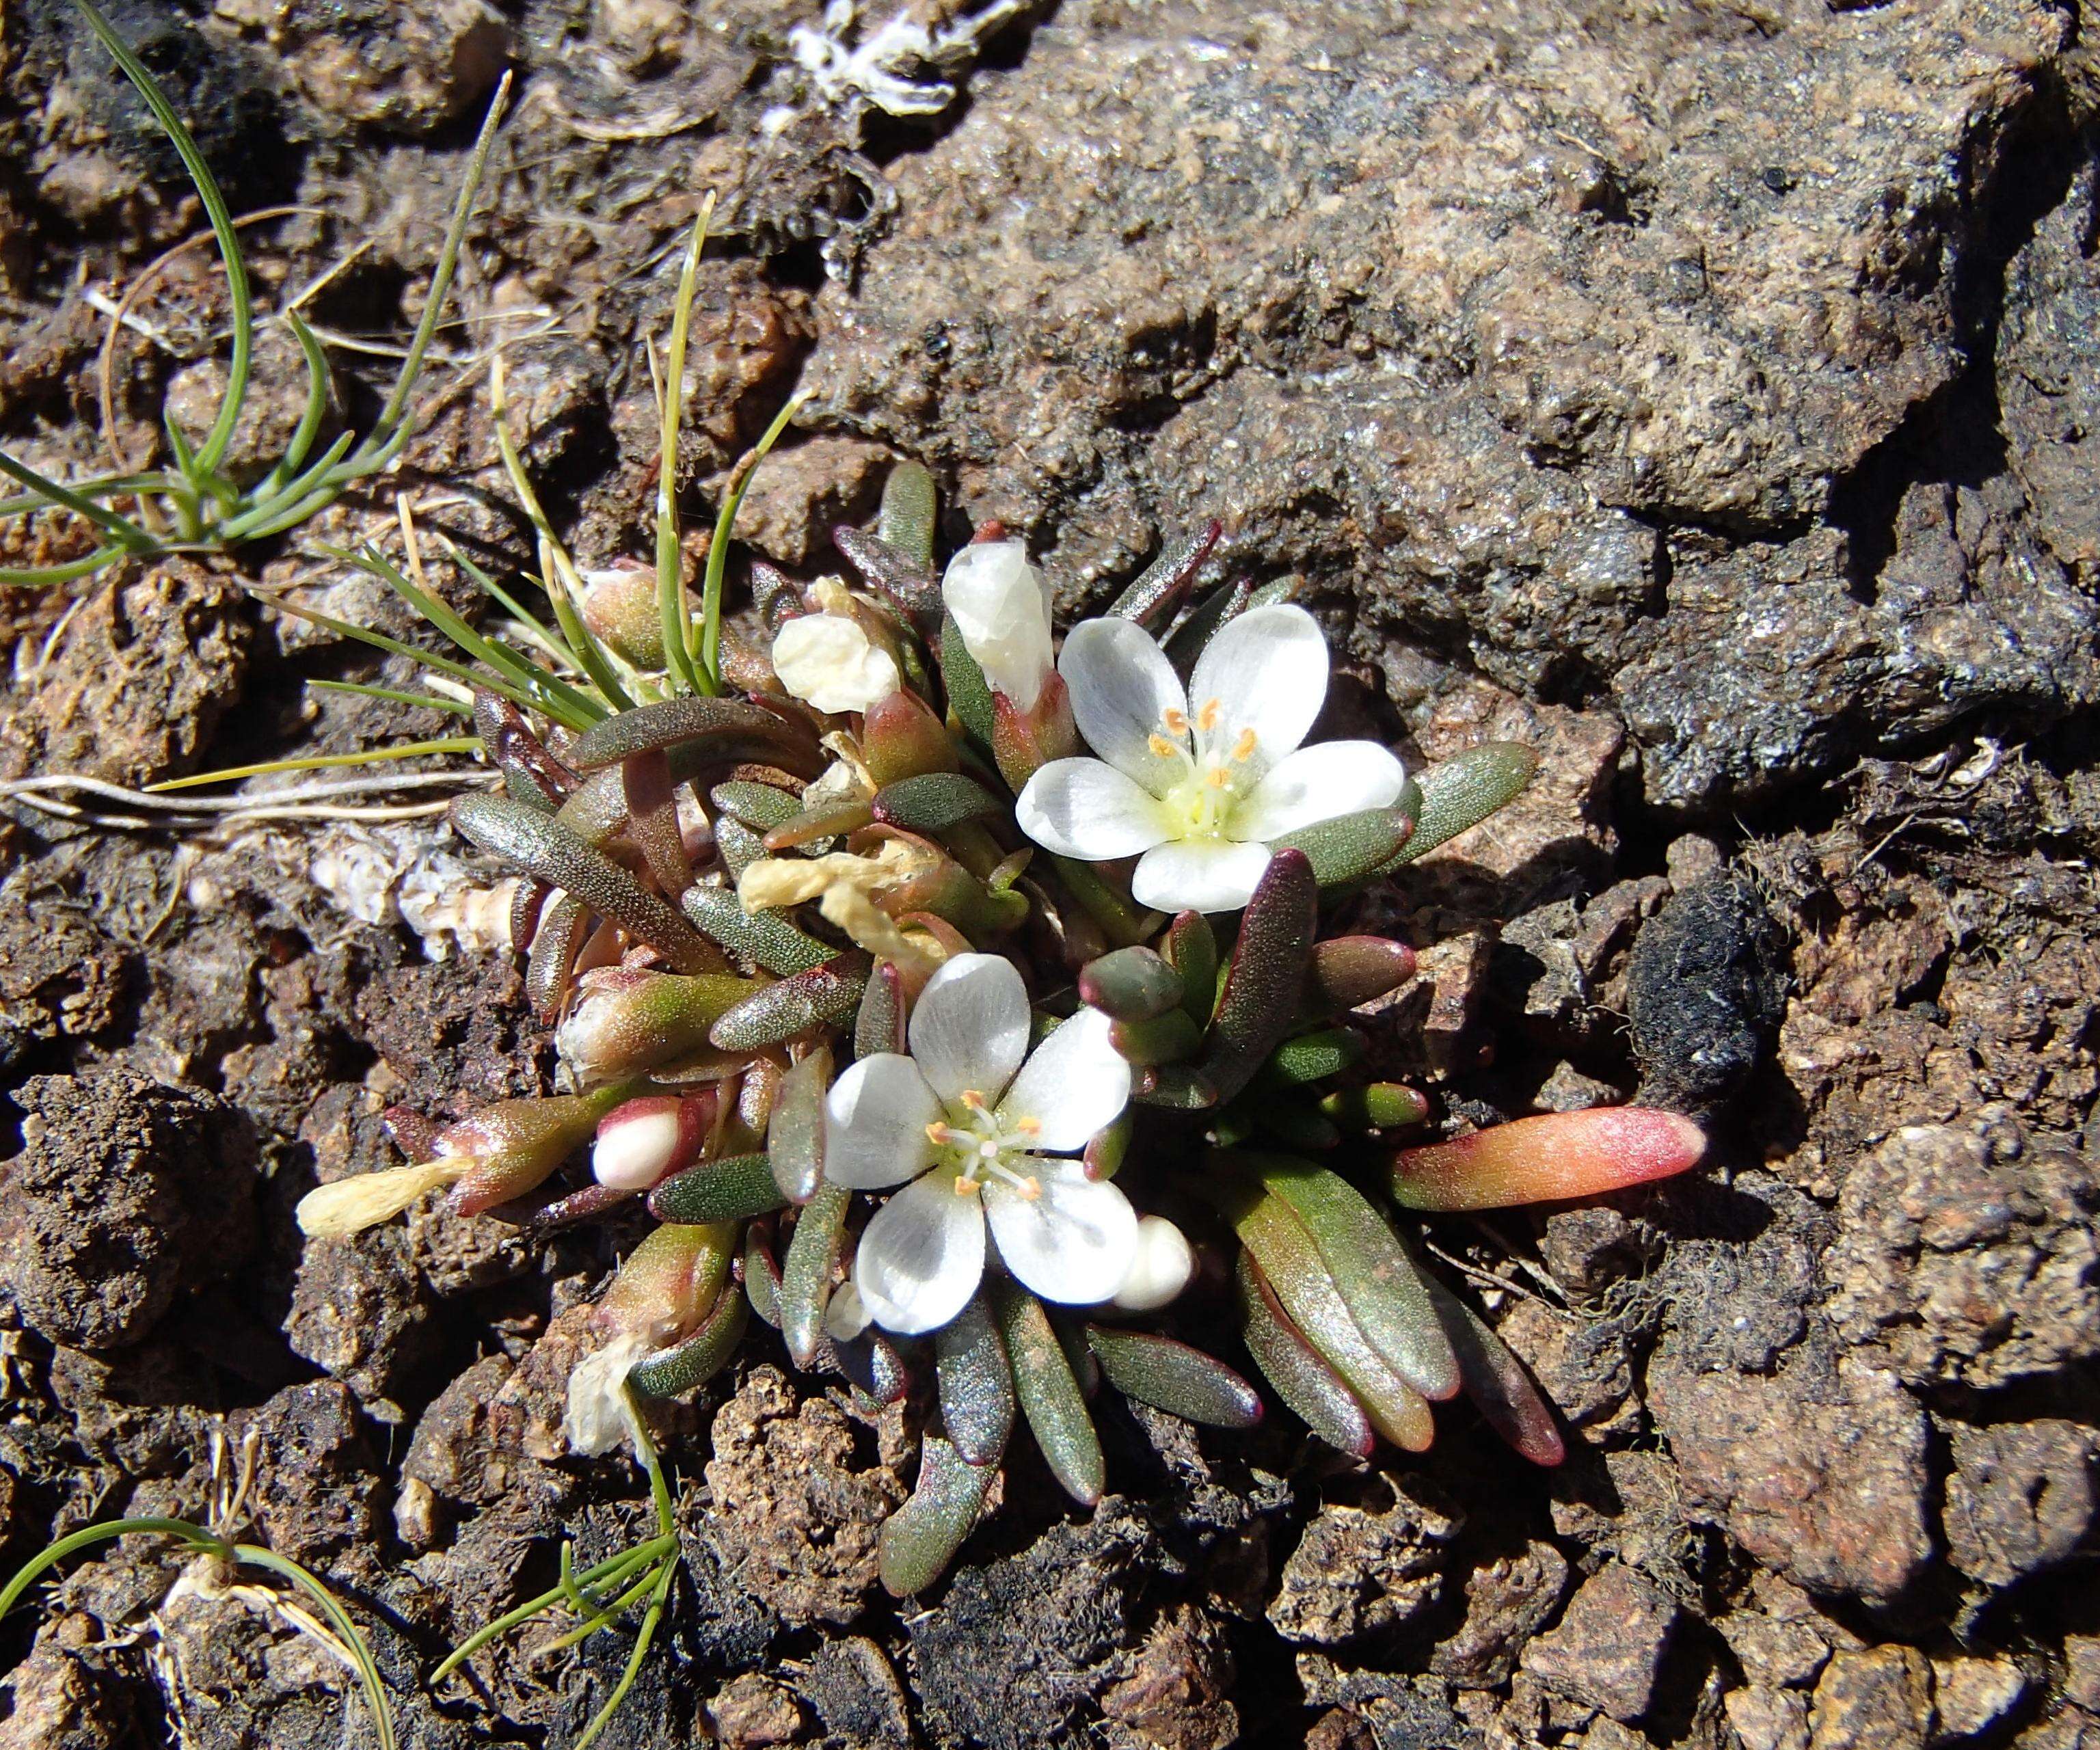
{"x": 1201, "y": 800}
{"x": 975, "y": 1148}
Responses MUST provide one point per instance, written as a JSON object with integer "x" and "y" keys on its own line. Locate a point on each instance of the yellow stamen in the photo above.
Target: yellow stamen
{"x": 1206, "y": 719}
{"x": 1244, "y": 747}
{"x": 1216, "y": 778}
{"x": 1029, "y": 1188}
{"x": 964, "y": 1186}
{"x": 973, "y": 1098}
{"x": 939, "y": 1134}
{"x": 1175, "y": 719}
{"x": 1029, "y": 1127}
{"x": 1161, "y": 747}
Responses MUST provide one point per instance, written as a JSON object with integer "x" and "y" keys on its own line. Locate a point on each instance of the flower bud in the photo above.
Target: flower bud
{"x": 514, "y": 1145}
{"x": 846, "y": 1315}
{"x": 627, "y": 1020}
{"x": 620, "y": 604}
{"x": 647, "y": 1140}
{"x": 1001, "y": 606}
{"x": 1159, "y": 1269}
{"x": 826, "y": 660}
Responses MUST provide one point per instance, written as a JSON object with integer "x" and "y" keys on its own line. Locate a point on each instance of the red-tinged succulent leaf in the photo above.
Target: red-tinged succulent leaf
{"x": 713, "y": 731}
{"x": 795, "y": 1139}
{"x": 910, "y": 586}
{"x": 531, "y": 774}
{"x": 879, "y": 1025}
{"x": 1131, "y": 984}
{"x": 733, "y": 1189}
{"x": 1386, "y": 1296}
{"x": 934, "y": 802}
{"x": 1350, "y": 970}
{"x": 1267, "y": 970}
{"x": 1547, "y": 1159}
{"x": 765, "y": 938}
{"x": 699, "y": 1357}
{"x": 1464, "y": 791}
{"x": 825, "y": 996}
{"x": 1049, "y": 1392}
{"x": 1103, "y": 1156}
{"x": 1172, "y": 1377}
{"x": 1295, "y": 1271}
{"x": 415, "y": 1135}
{"x": 761, "y": 1272}
{"x": 1151, "y": 600}
{"x": 975, "y": 1384}
{"x": 1191, "y": 949}
{"x": 806, "y": 1277}
{"x": 652, "y": 819}
{"x": 919, "y": 1540}
{"x": 541, "y": 846}
{"x": 1497, "y": 1382}
{"x": 1024, "y": 742}
{"x": 869, "y": 1363}
{"x": 1301, "y": 1377}
{"x": 629, "y": 1020}
{"x": 518, "y": 1143}
{"x": 827, "y": 820}
{"x": 1168, "y": 1039}
{"x": 590, "y": 1202}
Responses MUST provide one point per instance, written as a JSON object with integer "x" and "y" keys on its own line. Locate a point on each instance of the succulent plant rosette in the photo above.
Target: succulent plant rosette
{"x": 950, "y": 996}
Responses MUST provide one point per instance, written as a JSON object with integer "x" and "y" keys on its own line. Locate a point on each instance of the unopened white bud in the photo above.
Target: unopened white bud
{"x": 638, "y": 1143}
{"x": 1159, "y": 1269}
{"x": 826, "y": 660}
{"x": 846, "y": 1315}
{"x": 1001, "y": 605}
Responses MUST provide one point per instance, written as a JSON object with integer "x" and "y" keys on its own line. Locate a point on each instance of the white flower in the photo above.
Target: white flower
{"x": 1196, "y": 794}
{"x": 826, "y": 660}
{"x": 1160, "y": 1267}
{"x": 1001, "y": 607}
{"x": 972, "y": 1133}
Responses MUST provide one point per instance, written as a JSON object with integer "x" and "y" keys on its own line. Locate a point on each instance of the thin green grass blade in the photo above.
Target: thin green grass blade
{"x": 309, "y": 417}
{"x": 670, "y": 576}
{"x": 711, "y": 590}
{"x": 459, "y": 707}
{"x": 124, "y": 532}
{"x": 386, "y": 438}
{"x": 321, "y": 762}
{"x": 213, "y": 450}
{"x": 45, "y": 576}
{"x": 547, "y": 640}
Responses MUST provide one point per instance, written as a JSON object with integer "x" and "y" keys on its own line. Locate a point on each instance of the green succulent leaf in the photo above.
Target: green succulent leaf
{"x": 976, "y": 1383}
{"x": 935, "y": 801}
{"x": 763, "y": 937}
{"x": 795, "y": 1138}
{"x": 825, "y": 996}
{"x": 919, "y": 1540}
{"x": 806, "y": 1277}
{"x": 1131, "y": 984}
{"x": 699, "y": 1357}
{"x": 1314, "y": 1391}
{"x": 1462, "y": 792}
{"x": 730, "y": 1189}
{"x": 1049, "y": 1393}
{"x": 1172, "y": 1377}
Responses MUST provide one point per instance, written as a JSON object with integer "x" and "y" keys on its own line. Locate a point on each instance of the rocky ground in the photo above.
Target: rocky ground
{"x": 1701, "y": 392}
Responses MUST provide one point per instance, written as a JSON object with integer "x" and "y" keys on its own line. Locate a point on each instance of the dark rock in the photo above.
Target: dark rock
{"x": 61, "y": 976}
{"x": 857, "y": 1695}
{"x": 1822, "y": 1479}
{"x": 1607, "y": 1650}
{"x": 1507, "y": 1602}
{"x": 1880, "y": 1698}
{"x": 1589, "y": 1249}
{"x": 1358, "y": 1571}
{"x": 360, "y": 1313}
{"x": 2020, "y": 1499}
{"x": 314, "y": 1499}
{"x": 1705, "y": 988}
{"x": 127, "y": 1193}
{"x": 1009, "y": 1657}
{"x": 371, "y": 65}
{"x": 69, "y": 1693}
{"x": 2066, "y": 1729}
{"x": 1779, "y": 1637}
{"x": 1968, "y": 1258}
{"x": 1178, "y": 1697}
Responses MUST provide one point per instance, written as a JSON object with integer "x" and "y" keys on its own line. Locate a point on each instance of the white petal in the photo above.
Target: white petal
{"x": 634, "y": 1153}
{"x": 597, "y": 1416}
{"x": 828, "y": 661}
{"x": 1089, "y": 809}
{"x": 1001, "y": 607}
{"x": 1160, "y": 1267}
{"x": 1122, "y": 687}
{"x": 1198, "y": 875}
{"x": 1073, "y": 1243}
{"x": 969, "y": 1027}
{"x": 1318, "y": 783}
{"x": 1075, "y": 1085}
{"x": 922, "y": 1256}
{"x": 874, "y": 1123}
{"x": 1267, "y": 671}
{"x": 846, "y": 1313}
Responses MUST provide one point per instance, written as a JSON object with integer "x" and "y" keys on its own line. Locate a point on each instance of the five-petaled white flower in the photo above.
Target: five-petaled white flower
{"x": 973, "y": 1134}
{"x": 1199, "y": 791}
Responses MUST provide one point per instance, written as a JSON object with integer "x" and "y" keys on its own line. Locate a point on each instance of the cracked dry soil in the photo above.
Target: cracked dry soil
{"x": 1701, "y": 392}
